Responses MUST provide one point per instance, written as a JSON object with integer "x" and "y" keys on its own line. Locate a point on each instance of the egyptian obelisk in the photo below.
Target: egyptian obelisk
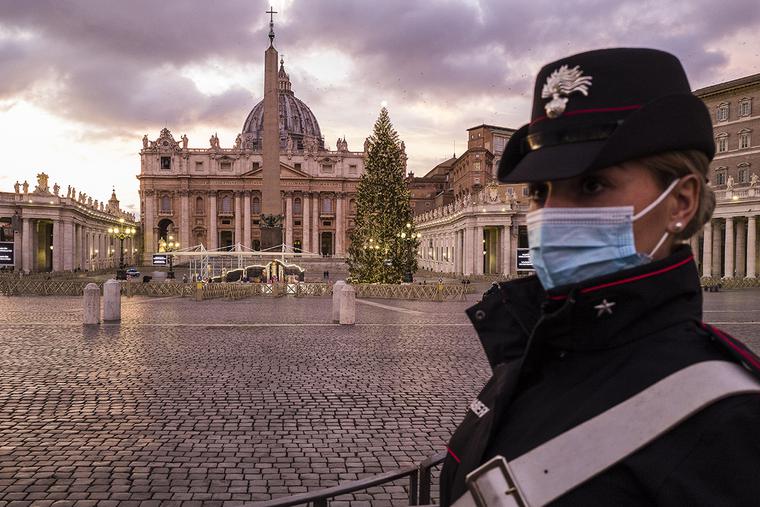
{"x": 271, "y": 205}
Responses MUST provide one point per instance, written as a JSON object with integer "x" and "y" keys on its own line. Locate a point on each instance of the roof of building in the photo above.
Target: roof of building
{"x": 441, "y": 168}
{"x": 496, "y": 127}
{"x": 742, "y": 82}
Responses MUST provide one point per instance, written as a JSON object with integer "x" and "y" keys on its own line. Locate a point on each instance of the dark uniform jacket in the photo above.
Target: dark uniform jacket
{"x": 563, "y": 357}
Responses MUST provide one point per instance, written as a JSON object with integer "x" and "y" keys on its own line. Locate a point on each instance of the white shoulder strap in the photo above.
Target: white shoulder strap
{"x": 570, "y": 459}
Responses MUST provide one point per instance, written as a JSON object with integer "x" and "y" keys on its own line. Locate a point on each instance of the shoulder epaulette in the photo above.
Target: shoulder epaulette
{"x": 736, "y": 349}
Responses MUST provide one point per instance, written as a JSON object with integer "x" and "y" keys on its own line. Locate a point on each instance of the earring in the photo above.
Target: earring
{"x": 678, "y": 226}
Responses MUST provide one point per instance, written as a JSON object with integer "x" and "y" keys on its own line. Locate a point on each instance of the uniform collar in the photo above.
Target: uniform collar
{"x": 599, "y": 313}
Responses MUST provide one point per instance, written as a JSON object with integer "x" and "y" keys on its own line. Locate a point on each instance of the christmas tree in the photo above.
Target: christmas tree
{"x": 383, "y": 243}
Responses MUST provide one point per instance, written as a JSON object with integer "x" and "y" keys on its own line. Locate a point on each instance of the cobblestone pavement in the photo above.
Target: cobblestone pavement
{"x": 220, "y": 402}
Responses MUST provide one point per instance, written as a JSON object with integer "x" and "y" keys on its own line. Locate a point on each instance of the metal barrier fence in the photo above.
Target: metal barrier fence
{"x": 433, "y": 292}
{"x": 730, "y": 283}
{"x": 41, "y": 287}
{"x": 419, "y": 486}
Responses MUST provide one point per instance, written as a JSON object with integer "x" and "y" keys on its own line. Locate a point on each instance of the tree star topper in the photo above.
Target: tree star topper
{"x": 563, "y": 81}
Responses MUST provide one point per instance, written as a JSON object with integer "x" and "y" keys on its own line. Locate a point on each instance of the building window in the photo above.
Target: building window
{"x": 326, "y": 223}
{"x": 255, "y": 166}
{"x": 352, "y": 169}
{"x": 257, "y": 244}
{"x": 199, "y": 166}
{"x": 166, "y": 204}
{"x": 296, "y": 222}
{"x": 226, "y": 166}
{"x": 326, "y": 205}
{"x": 722, "y": 143}
{"x": 744, "y": 139}
{"x": 256, "y": 205}
{"x": 721, "y": 113}
{"x": 297, "y": 167}
{"x": 526, "y": 191}
{"x": 327, "y": 168}
{"x": 476, "y": 166}
{"x": 297, "y": 245}
{"x": 720, "y": 176}
{"x": 297, "y": 206}
{"x": 510, "y": 191}
{"x": 166, "y": 162}
{"x": 226, "y": 204}
{"x": 199, "y": 206}
{"x": 745, "y": 107}
{"x": 743, "y": 175}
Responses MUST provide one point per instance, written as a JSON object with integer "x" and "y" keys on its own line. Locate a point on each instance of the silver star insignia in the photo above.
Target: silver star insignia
{"x": 604, "y": 307}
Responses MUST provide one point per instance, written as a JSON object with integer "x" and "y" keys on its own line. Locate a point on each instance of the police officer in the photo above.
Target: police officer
{"x": 617, "y": 155}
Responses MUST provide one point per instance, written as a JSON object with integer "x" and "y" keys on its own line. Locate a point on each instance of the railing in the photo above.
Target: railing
{"x": 419, "y": 486}
{"x": 730, "y": 283}
{"x": 432, "y": 292}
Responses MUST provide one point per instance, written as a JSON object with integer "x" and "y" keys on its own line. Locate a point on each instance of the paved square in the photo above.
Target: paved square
{"x": 222, "y": 402}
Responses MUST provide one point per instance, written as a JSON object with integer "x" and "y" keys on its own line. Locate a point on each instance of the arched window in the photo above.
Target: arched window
{"x": 226, "y": 204}
{"x": 297, "y": 206}
{"x": 256, "y": 205}
{"x": 166, "y": 203}
{"x": 199, "y": 206}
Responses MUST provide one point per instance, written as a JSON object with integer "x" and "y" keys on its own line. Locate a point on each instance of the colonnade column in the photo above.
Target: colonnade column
{"x": 247, "y": 219}
{"x": 729, "y": 248}
{"x": 315, "y": 224}
{"x": 506, "y": 249}
{"x": 751, "y": 246}
{"x": 80, "y": 247}
{"x": 741, "y": 249}
{"x": 339, "y": 229}
{"x": 707, "y": 244}
{"x": 478, "y": 244}
{"x": 57, "y": 246}
{"x": 469, "y": 235}
{"x": 26, "y": 245}
{"x": 305, "y": 224}
{"x": 717, "y": 260}
{"x": 68, "y": 245}
{"x": 238, "y": 220}
{"x": 212, "y": 238}
{"x": 288, "y": 220}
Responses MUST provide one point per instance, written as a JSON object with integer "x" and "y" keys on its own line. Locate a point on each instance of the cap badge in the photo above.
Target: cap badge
{"x": 561, "y": 83}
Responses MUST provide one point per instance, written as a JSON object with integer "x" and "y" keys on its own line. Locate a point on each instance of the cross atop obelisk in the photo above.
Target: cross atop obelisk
{"x": 271, "y": 13}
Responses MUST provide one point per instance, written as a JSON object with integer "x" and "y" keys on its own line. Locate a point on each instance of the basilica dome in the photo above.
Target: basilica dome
{"x": 297, "y": 122}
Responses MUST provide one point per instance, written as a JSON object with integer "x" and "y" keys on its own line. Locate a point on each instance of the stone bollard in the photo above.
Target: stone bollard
{"x": 347, "y": 305}
{"x": 337, "y": 288}
{"x": 111, "y": 300}
{"x": 91, "y": 304}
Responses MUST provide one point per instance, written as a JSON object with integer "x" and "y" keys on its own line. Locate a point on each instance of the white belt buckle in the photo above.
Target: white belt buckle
{"x": 492, "y": 484}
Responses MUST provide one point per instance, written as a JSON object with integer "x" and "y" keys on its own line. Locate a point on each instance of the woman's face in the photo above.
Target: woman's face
{"x": 629, "y": 184}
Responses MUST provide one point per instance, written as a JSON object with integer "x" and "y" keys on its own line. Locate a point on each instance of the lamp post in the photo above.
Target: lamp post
{"x": 121, "y": 233}
{"x": 168, "y": 245}
{"x": 412, "y": 237}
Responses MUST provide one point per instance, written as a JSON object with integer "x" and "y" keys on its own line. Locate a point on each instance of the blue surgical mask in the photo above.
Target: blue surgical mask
{"x": 570, "y": 245}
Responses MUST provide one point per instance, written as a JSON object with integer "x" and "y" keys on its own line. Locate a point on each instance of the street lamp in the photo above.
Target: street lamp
{"x": 169, "y": 245}
{"x": 121, "y": 233}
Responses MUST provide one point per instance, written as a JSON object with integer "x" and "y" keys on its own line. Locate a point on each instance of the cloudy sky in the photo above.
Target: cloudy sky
{"x": 83, "y": 80}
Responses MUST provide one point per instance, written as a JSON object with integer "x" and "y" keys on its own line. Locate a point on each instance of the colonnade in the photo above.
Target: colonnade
{"x": 728, "y": 247}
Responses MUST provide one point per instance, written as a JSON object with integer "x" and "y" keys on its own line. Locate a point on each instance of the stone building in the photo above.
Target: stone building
{"x": 472, "y": 225}
{"x": 42, "y": 230}
{"x": 212, "y": 196}
{"x": 728, "y": 247}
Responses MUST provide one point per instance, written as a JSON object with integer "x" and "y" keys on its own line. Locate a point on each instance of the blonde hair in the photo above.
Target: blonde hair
{"x": 670, "y": 165}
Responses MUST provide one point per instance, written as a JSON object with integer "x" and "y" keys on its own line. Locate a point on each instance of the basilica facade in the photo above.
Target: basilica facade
{"x": 212, "y": 195}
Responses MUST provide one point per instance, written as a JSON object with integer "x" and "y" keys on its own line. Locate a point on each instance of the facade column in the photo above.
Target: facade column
{"x": 247, "y": 219}
{"x": 212, "y": 238}
{"x": 68, "y": 245}
{"x": 717, "y": 263}
{"x": 751, "y": 246}
{"x": 57, "y": 246}
{"x": 288, "y": 220}
{"x": 339, "y": 229}
{"x": 741, "y": 248}
{"x": 26, "y": 245}
{"x": 707, "y": 245}
{"x": 315, "y": 224}
{"x": 305, "y": 223}
{"x": 729, "y": 249}
{"x": 184, "y": 219}
{"x": 149, "y": 221}
{"x": 79, "y": 263}
{"x": 18, "y": 251}
{"x": 238, "y": 220}
{"x": 506, "y": 249}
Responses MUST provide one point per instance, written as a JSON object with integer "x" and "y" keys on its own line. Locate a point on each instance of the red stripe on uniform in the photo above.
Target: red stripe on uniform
{"x": 454, "y": 455}
{"x": 628, "y": 280}
{"x": 730, "y": 342}
{"x": 590, "y": 111}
